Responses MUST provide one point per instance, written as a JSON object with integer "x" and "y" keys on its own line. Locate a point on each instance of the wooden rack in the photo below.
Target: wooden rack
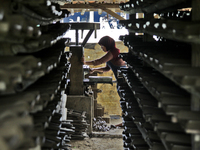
{"x": 162, "y": 74}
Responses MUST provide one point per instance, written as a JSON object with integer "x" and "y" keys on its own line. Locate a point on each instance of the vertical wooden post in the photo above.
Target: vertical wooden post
{"x": 76, "y": 71}
{"x": 77, "y": 36}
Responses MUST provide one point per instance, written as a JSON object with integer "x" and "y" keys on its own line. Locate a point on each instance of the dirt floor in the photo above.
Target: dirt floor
{"x": 98, "y": 144}
{"x": 110, "y": 140}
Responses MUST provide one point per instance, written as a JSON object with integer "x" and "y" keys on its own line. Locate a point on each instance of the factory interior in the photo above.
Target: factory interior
{"x": 49, "y": 100}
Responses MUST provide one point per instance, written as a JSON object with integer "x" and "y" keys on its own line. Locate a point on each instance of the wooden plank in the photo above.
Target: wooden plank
{"x": 76, "y": 71}
{"x": 93, "y": 6}
{"x": 106, "y": 9}
{"x": 89, "y": 5}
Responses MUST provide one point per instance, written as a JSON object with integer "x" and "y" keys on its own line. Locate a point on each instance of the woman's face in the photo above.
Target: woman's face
{"x": 103, "y": 48}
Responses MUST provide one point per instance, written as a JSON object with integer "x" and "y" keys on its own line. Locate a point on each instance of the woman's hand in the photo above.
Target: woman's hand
{"x": 91, "y": 70}
{"x": 97, "y": 70}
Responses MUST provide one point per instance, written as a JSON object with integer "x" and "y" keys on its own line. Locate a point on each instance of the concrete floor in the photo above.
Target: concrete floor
{"x": 110, "y": 140}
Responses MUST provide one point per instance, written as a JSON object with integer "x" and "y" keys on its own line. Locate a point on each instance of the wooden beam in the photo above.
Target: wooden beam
{"x": 89, "y": 6}
{"x": 100, "y": 6}
{"x": 91, "y": 9}
{"x": 83, "y": 11}
{"x": 92, "y": 6}
{"x": 114, "y": 14}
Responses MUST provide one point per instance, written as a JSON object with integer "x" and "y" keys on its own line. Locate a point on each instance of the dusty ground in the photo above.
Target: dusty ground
{"x": 98, "y": 144}
{"x": 110, "y": 140}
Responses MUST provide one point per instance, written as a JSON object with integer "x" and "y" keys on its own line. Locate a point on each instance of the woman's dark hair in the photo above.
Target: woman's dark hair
{"x": 108, "y": 42}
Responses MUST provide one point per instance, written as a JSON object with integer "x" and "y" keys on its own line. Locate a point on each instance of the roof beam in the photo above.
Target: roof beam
{"x": 89, "y": 6}
{"x": 105, "y": 7}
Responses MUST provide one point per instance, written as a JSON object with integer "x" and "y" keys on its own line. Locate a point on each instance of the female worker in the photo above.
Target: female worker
{"x": 111, "y": 58}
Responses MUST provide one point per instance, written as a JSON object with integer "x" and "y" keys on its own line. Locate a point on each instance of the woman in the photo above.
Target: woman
{"x": 111, "y": 58}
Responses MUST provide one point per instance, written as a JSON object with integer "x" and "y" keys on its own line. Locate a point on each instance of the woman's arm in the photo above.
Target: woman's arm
{"x": 107, "y": 57}
{"x": 100, "y": 69}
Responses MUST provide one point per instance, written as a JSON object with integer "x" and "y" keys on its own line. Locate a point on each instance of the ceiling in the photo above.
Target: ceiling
{"x": 111, "y": 7}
